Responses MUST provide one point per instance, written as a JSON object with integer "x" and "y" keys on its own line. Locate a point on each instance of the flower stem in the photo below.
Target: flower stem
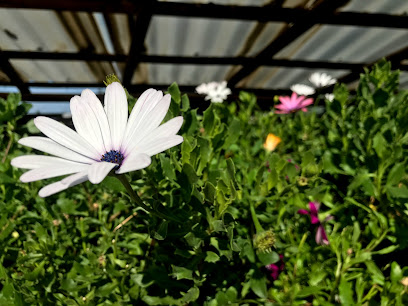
{"x": 133, "y": 195}
{"x": 258, "y": 226}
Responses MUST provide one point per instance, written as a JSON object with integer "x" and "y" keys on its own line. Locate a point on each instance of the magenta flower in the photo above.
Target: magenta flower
{"x": 321, "y": 236}
{"x": 292, "y": 104}
{"x": 276, "y": 269}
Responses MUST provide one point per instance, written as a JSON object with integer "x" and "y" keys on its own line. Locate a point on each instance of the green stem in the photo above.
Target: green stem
{"x": 258, "y": 226}
{"x": 7, "y": 149}
{"x": 133, "y": 195}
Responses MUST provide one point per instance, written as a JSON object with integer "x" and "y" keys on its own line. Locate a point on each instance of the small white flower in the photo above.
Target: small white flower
{"x": 322, "y": 79}
{"x": 105, "y": 139}
{"x": 329, "y": 96}
{"x": 214, "y": 91}
{"x": 302, "y": 90}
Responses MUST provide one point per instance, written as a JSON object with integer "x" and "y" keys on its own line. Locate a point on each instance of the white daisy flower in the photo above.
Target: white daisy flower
{"x": 302, "y": 90}
{"x": 214, "y": 91}
{"x": 322, "y": 79}
{"x": 329, "y": 96}
{"x": 105, "y": 139}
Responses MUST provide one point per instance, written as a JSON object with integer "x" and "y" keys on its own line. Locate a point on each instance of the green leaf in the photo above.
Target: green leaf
{"x": 167, "y": 167}
{"x": 189, "y": 171}
{"x": 191, "y": 295}
{"x": 233, "y": 133}
{"x": 398, "y": 192}
{"x": 379, "y": 144}
{"x": 211, "y": 257}
{"x": 396, "y": 272}
{"x": 32, "y": 129}
{"x": 174, "y": 91}
{"x": 185, "y": 103}
{"x": 32, "y": 276}
{"x": 205, "y": 153}
{"x": 209, "y": 120}
{"x": 387, "y": 250}
{"x": 375, "y": 272}
{"x": 231, "y": 170}
{"x": 209, "y": 192}
{"x": 307, "y": 158}
{"x": 106, "y": 289}
{"x": 5, "y": 179}
{"x": 113, "y": 184}
{"x": 161, "y": 233}
{"x": 190, "y": 125}
{"x": 307, "y": 291}
{"x": 258, "y": 286}
{"x": 380, "y": 98}
{"x": 268, "y": 258}
{"x": 396, "y": 174}
{"x": 345, "y": 293}
{"x": 182, "y": 273}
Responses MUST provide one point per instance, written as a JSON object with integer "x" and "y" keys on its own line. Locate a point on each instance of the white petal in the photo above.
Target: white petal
{"x": 148, "y": 123}
{"x": 158, "y": 145}
{"x": 116, "y": 108}
{"x": 134, "y": 162}
{"x": 170, "y": 128}
{"x": 49, "y": 146}
{"x": 98, "y": 171}
{"x": 54, "y": 170}
{"x": 65, "y": 183}
{"x": 66, "y": 137}
{"x": 97, "y": 108}
{"x": 147, "y": 101}
{"x": 86, "y": 124}
{"x": 39, "y": 161}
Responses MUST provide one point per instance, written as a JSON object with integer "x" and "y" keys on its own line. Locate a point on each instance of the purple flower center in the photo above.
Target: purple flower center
{"x": 113, "y": 156}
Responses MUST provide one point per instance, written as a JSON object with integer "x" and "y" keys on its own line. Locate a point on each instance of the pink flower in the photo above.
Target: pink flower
{"x": 321, "y": 236}
{"x": 292, "y": 104}
{"x": 276, "y": 269}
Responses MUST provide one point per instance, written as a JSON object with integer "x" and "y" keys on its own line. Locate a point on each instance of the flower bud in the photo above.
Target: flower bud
{"x": 264, "y": 241}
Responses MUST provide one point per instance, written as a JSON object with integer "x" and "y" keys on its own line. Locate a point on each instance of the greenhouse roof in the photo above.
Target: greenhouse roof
{"x": 51, "y": 50}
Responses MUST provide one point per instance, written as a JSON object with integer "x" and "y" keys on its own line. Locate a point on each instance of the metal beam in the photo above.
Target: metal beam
{"x": 286, "y": 37}
{"x": 255, "y": 13}
{"x": 66, "y": 56}
{"x": 395, "y": 59}
{"x": 195, "y": 60}
{"x": 12, "y": 74}
{"x": 133, "y": 89}
{"x": 138, "y": 32}
{"x": 265, "y": 98}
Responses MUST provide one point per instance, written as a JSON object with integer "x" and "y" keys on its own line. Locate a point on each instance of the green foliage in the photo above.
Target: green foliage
{"x": 215, "y": 193}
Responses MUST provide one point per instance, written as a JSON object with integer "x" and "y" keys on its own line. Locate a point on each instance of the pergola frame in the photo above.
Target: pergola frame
{"x": 299, "y": 21}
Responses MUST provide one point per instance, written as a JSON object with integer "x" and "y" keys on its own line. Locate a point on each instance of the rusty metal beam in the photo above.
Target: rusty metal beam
{"x": 395, "y": 59}
{"x": 195, "y": 60}
{"x": 12, "y": 74}
{"x": 255, "y": 13}
{"x": 138, "y": 32}
{"x": 292, "y": 32}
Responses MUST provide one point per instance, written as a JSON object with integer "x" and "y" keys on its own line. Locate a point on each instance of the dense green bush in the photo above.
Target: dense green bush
{"x": 229, "y": 208}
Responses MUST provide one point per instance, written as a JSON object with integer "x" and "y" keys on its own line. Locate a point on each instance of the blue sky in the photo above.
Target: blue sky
{"x": 51, "y": 107}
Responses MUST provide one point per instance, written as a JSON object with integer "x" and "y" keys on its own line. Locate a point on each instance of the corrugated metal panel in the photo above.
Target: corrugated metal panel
{"x": 182, "y": 74}
{"x": 278, "y": 78}
{"x": 225, "y": 2}
{"x": 55, "y": 71}
{"x": 33, "y": 30}
{"x": 198, "y": 36}
{"x": 71, "y": 32}
{"x": 369, "y": 6}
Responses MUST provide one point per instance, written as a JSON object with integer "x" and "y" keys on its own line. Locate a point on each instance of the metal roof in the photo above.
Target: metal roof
{"x": 254, "y": 44}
